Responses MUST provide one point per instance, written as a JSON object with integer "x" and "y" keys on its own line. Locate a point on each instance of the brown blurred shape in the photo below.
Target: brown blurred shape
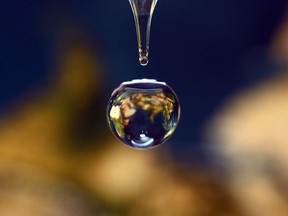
{"x": 250, "y": 134}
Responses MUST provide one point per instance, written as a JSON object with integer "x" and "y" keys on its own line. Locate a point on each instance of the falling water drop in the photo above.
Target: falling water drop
{"x": 143, "y": 113}
{"x": 143, "y": 11}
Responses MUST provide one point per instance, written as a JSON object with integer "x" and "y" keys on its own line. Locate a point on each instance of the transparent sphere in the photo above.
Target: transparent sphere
{"x": 143, "y": 113}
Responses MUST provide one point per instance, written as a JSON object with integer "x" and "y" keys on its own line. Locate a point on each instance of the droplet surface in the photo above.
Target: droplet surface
{"x": 143, "y": 60}
{"x": 143, "y": 113}
{"x": 143, "y": 11}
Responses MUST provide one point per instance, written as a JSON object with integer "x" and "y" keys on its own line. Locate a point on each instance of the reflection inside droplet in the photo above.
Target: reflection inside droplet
{"x": 142, "y": 142}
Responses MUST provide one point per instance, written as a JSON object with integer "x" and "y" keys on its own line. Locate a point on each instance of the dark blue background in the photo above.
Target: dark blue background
{"x": 201, "y": 48}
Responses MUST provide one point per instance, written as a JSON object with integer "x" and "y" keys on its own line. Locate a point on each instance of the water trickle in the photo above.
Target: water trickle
{"x": 143, "y": 11}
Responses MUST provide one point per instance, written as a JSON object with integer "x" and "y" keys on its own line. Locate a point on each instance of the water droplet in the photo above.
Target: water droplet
{"x": 143, "y": 113}
{"x": 143, "y": 60}
{"x": 143, "y": 11}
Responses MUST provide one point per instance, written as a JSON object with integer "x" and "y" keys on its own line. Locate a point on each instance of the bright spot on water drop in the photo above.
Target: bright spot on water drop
{"x": 143, "y": 113}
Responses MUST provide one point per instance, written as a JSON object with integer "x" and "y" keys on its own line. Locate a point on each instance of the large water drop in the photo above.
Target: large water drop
{"x": 143, "y": 113}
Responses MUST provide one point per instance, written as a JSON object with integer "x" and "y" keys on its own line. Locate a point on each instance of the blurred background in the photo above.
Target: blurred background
{"x": 227, "y": 62}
